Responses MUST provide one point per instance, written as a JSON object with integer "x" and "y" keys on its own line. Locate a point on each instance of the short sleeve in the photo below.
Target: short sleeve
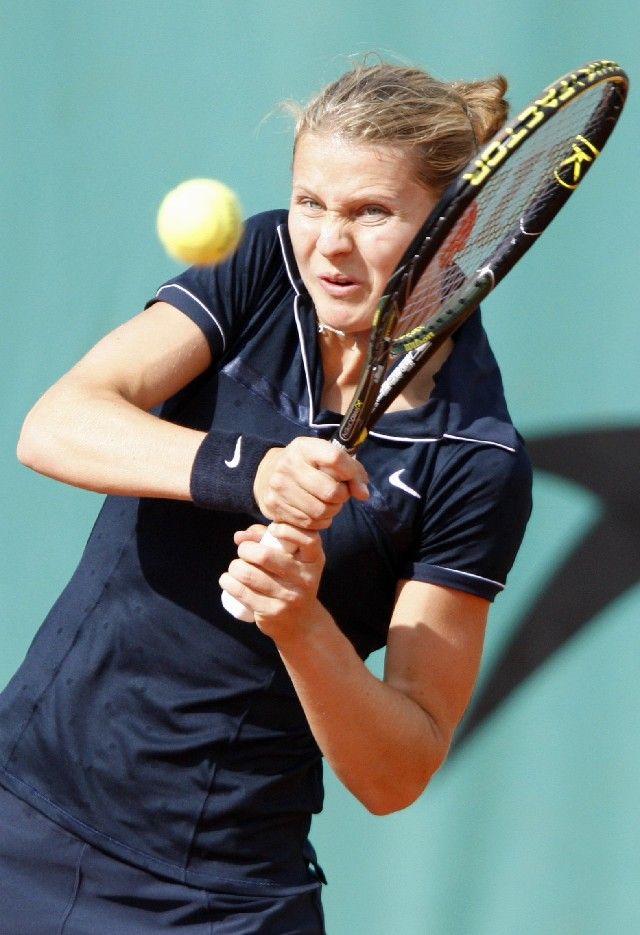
{"x": 218, "y": 298}
{"x": 476, "y": 512}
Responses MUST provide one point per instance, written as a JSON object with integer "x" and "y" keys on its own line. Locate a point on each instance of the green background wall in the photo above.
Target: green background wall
{"x": 532, "y": 827}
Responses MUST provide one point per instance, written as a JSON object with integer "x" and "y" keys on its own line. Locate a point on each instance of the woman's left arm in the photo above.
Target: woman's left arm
{"x": 383, "y": 738}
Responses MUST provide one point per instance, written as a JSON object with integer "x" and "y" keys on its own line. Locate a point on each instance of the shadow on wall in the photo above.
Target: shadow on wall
{"x": 603, "y": 565}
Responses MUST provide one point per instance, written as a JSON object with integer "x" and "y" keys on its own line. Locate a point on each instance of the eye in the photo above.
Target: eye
{"x": 372, "y": 213}
{"x": 308, "y": 204}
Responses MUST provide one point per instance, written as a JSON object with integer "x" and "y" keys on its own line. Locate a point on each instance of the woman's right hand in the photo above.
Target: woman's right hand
{"x": 307, "y": 483}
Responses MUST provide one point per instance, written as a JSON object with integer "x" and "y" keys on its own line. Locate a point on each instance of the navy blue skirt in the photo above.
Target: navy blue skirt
{"x": 53, "y": 883}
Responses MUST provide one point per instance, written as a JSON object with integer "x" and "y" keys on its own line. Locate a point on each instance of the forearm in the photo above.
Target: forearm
{"x": 94, "y": 429}
{"x": 381, "y": 744}
{"x": 100, "y": 441}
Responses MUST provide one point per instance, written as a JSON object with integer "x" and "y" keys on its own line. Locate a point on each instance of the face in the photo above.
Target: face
{"x": 355, "y": 208}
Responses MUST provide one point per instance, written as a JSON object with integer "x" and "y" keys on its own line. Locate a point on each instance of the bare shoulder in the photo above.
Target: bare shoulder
{"x": 148, "y": 358}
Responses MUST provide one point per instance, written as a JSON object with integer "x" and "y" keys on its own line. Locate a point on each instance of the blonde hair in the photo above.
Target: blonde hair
{"x": 442, "y": 123}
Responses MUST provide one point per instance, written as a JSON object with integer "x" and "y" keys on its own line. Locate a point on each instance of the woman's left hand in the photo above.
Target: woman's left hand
{"x": 279, "y": 586}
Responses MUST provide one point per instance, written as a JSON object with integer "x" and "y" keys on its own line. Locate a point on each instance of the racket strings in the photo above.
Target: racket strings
{"x": 504, "y": 210}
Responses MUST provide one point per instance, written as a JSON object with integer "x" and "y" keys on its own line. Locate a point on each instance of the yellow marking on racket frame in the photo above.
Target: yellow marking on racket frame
{"x": 575, "y": 161}
{"x": 411, "y": 340}
{"x": 498, "y": 149}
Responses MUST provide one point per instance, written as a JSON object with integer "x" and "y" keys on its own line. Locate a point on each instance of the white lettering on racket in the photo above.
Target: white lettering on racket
{"x": 399, "y": 371}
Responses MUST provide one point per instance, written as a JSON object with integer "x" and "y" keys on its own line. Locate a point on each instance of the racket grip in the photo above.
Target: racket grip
{"x": 231, "y": 604}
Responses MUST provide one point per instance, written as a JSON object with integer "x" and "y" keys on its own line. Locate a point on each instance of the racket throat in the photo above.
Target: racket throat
{"x": 353, "y": 428}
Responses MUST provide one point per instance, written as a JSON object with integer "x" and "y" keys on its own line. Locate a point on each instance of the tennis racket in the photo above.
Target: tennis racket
{"x": 484, "y": 223}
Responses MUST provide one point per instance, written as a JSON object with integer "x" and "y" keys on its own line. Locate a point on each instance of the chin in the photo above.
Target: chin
{"x": 348, "y": 320}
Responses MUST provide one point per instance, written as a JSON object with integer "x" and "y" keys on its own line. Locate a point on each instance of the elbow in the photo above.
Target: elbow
{"x": 31, "y": 444}
{"x": 397, "y": 795}
{"x": 382, "y": 809}
{"x": 390, "y": 801}
{"x": 37, "y": 443}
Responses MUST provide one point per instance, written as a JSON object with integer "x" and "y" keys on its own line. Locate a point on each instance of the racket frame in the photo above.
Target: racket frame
{"x": 375, "y": 391}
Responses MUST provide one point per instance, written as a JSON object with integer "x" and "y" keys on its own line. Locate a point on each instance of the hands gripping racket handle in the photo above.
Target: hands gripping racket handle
{"x": 231, "y": 604}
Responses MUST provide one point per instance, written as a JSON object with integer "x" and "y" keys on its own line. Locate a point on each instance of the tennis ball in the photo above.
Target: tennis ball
{"x": 200, "y": 222}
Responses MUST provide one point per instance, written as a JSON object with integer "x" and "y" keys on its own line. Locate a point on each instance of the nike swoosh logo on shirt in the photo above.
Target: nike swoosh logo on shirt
{"x": 395, "y": 480}
{"x": 235, "y": 460}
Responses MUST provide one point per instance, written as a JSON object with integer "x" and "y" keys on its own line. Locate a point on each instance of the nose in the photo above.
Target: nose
{"x": 333, "y": 236}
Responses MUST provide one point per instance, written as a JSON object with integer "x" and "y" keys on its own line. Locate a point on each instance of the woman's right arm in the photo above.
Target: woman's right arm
{"x": 93, "y": 429}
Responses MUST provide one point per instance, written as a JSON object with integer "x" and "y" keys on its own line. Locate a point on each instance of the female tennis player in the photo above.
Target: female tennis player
{"x": 161, "y": 760}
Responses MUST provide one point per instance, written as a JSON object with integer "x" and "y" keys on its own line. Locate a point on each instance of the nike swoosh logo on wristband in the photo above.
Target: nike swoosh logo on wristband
{"x": 235, "y": 460}
{"x": 395, "y": 480}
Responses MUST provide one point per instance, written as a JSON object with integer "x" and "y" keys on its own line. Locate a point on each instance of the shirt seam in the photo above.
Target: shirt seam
{"x": 36, "y": 701}
{"x": 151, "y": 858}
{"x": 200, "y": 304}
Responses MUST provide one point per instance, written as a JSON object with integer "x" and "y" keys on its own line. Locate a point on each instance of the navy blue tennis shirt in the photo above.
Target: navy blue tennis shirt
{"x": 152, "y": 724}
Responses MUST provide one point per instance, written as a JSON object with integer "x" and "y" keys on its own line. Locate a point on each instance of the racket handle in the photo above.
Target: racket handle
{"x": 231, "y": 604}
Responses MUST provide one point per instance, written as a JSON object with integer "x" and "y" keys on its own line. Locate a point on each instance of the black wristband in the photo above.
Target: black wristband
{"x": 224, "y": 470}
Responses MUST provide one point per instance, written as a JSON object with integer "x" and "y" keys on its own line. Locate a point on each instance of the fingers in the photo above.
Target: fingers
{"x": 304, "y": 544}
{"x": 296, "y": 547}
{"x": 253, "y": 533}
{"x": 358, "y": 488}
{"x": 307, "y": 483}
{"x": 273, "y": 582}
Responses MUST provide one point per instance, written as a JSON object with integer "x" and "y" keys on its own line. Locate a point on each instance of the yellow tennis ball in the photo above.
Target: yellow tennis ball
{"x": 200, "y": 222}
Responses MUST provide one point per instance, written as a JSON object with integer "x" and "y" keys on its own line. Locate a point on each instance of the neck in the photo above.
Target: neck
{"x": 328, "y": 329}
{"x": 343, "y": 356}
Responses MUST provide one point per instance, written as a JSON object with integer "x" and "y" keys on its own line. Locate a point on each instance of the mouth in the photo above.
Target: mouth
{"x": 339, "y": 285}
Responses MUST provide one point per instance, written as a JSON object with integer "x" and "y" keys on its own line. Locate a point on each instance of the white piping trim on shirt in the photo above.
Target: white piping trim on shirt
{"x": 303, "y": 349}
{"x": 305, "y": 361}
{"x": 470, "y": 574}
{"x": 437, "y": 438}
{"x": 403, "y": 438}
{"x": 173, "y": 285}
{"x": 479, "y": 441}
{"x": 279, "y": 230}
